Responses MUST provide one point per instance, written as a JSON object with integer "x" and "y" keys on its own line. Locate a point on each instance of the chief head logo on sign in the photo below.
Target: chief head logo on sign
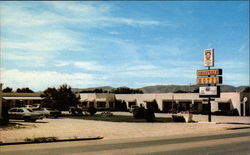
{"x": 209, "y": 57}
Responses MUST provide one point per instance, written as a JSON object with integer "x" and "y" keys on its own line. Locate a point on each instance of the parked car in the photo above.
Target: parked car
{"x": 24, "y": 114}
{"x": 47, "y": 112}
{"x": 131, "y": 109}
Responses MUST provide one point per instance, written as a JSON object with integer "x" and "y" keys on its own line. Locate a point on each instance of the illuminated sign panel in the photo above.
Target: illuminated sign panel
{"x": 209, "y": 91}
{"x": 209, "y": 80}
{"x": 209, "y": 72}
{"x": 209, "y": 57}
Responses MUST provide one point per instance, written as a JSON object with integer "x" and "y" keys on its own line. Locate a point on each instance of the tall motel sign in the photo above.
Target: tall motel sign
{"x": 209, "y": 79}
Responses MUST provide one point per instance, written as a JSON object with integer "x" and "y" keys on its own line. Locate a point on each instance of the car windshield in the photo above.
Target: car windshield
{"x": 29, "y": 110}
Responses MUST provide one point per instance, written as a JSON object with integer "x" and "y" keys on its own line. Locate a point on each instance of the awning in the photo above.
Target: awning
{"x": 224, "y": 100}
{"x": 149, "y": 100}
{"x": 90, "y": 100}
{"x": 87, "y": 100}
{"x": 131, "y": 100}
{"x": 83, "y": 100}
{"x": 101, "y": 100}
{"x": 198, "y": 100}
{"x": 22, "y": 98}
{"x": 184, "y": 100}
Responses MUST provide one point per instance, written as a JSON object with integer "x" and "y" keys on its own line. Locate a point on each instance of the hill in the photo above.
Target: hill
{"x": 170, "y": 88}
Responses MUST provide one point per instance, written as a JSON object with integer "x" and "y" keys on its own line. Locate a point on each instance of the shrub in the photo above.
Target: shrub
{"x": 92, "y": 110}
{"x": 233, "y": 112}
{"x": 150, "y": 115}
{"x": 106, "y": 114}
{"x": 177, "y": 118}
{"x": 75, "y": 111}
{"x": 41, "y": 139}
{"x": 139, "y": 113}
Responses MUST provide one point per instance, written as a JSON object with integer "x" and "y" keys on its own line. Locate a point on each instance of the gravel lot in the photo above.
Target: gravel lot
{"x": 64, "y": 128}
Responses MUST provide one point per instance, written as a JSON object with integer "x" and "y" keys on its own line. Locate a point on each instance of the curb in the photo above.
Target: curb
{"x": 203, "y": 122}
{"x": 59, "y": 140}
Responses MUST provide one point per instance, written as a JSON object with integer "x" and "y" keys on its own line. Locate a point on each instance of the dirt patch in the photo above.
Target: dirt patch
{"x": 14, "y": 126}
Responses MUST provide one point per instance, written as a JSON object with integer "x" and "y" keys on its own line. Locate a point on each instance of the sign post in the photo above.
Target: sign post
{"x": 209, "y": 77}
{"x": 209, "y": 103}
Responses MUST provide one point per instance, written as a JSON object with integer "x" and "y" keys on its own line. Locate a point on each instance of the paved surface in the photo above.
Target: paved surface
{"x": 230, "y": 142}
{"x": 64, "y": 128}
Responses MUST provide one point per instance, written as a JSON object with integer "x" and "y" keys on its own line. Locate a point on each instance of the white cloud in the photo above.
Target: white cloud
{"x": 89, "y": 15}
{"x": 89, "y": 65}
{"x": 141, "y": 67}
{"x": 27, "y": 59}
{"x": 40, "y": 35}
{"x": 236, "y": 65}
{"x": 40, "y": 80}
{"x": 46, "y": 41}
{"x": 62, "y": 64}
{"x": 115, "y": 33}
{"x": 236, "y": 79}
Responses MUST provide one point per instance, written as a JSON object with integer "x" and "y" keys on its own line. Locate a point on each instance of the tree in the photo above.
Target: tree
{"x": 50, "y": 96}
{"x": 96, "y": 90}
{"x": 126, "y": 90}
{"x": 24, "y": 90}
{"x": 7, "y": 90}
{"x": 181, "y": 91}
{"x": 61, "y": 98}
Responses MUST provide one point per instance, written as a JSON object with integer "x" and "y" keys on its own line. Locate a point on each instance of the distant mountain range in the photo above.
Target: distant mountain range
{"x": 170, "y": 88}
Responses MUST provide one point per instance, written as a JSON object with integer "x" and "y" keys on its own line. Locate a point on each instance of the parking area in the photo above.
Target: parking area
{"x": 64, "y": 128}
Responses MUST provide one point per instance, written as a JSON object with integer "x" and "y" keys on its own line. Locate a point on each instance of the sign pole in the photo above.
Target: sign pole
{"x": 209, "y": 109}
{"x": 209, "y": 103}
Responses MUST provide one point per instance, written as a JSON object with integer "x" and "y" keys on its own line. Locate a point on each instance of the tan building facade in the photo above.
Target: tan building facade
{"x": 10, "y": 100}
{"x": 166, "y": 102}
{"x": 162, "y": 102}
{"x": 101, "y": 101}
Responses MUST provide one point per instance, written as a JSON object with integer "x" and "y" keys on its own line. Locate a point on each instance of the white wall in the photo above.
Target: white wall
{"x": 191, "y": 97}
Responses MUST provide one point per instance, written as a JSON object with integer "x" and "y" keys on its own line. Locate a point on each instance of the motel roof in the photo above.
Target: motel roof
{"x": 22, "y": 98}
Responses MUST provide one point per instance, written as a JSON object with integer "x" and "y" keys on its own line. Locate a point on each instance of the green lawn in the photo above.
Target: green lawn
{"x": 119, "y": 118}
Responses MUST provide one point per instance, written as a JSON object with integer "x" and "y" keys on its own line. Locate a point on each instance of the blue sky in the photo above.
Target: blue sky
{"x": 119, "y": 43}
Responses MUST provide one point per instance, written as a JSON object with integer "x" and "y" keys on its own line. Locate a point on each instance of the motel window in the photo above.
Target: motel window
{"x": 196, "y": 105}
{"x": 111, "y": 104}
{"x": 167, "y": 106}
{"x": 91, "y": 104}
{"x": 101, "y": 104}
{"x": 224, "y": 106}
{"x": 153, "y": 105}
{"x": 183, "y": 106}
{"x": 84, "y": 103}
{"x": 131, "y": 103}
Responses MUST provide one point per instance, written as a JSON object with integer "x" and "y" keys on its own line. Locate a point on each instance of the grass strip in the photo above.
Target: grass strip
{"x": 120, "y": 118}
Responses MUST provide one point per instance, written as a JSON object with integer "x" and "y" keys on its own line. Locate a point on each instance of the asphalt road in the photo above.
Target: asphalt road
{"x": 237, "y": 142}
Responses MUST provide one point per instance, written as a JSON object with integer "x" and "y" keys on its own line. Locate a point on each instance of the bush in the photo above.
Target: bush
{"x": 150, "y": 115}
{"x": 41, "y": 139}
{"x": 106, "y": 114}
{"x": 139, "y": 113}
{"x": 92, "y": 110}
{"x": 75, "y": 111}
{"x": 177, "y": 118}
{"x": 233, "y": 112}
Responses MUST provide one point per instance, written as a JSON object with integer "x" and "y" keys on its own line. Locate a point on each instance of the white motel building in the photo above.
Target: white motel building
{"x": 162, "y": 102}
